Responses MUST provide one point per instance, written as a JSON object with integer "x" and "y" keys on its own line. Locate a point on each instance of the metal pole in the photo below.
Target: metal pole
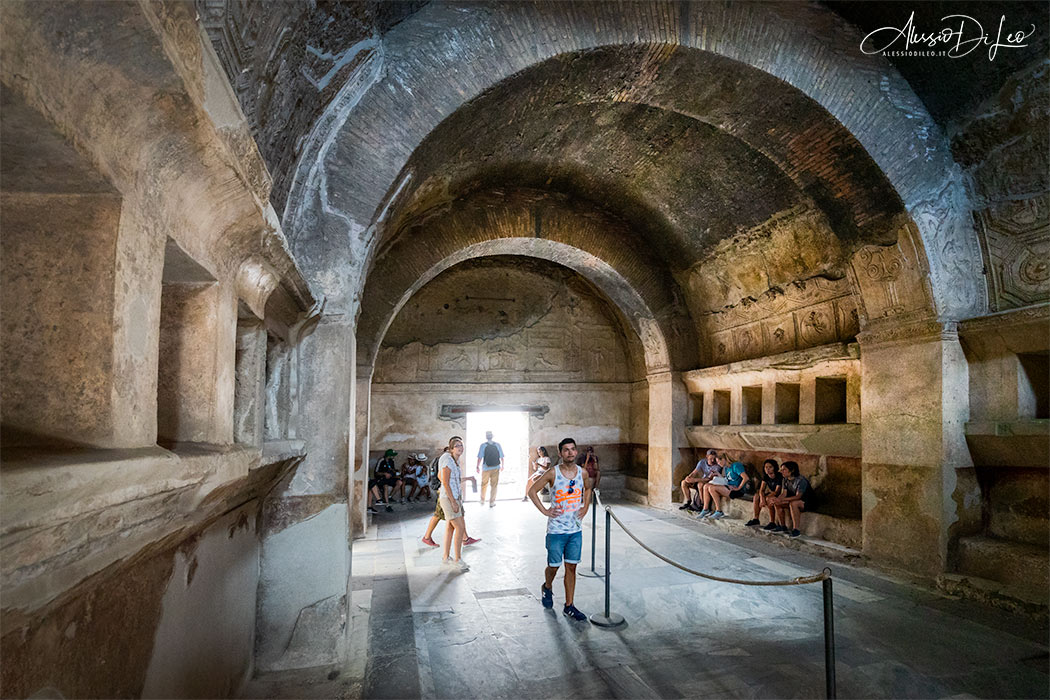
{"x": 829, "y": 640}
{"x": 608, "y": 619}
{"x": 593, "y": 573}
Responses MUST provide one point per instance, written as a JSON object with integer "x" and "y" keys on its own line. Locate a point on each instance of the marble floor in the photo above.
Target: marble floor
{"x": 423, "y": 630}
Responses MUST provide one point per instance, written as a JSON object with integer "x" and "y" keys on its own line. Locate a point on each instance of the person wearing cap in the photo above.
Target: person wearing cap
{"x": 706, "y": 469}
{"x": 414, "y": 475}
{"x": 732, "y": 484}
{"x": 385, "y": 478}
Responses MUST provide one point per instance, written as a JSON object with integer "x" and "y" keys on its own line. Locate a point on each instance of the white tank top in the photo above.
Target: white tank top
{"x": 566, "y": 502}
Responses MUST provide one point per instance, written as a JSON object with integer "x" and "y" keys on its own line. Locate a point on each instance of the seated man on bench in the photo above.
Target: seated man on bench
{"x": 793, "y": 498}
{"x": 706, "y": 469}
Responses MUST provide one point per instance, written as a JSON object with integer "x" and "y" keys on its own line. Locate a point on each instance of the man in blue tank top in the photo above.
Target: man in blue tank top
{"x": 570, "y": 489}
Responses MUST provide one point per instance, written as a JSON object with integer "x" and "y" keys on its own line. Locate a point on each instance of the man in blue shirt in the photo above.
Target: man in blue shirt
{"x": 491, "y": 455}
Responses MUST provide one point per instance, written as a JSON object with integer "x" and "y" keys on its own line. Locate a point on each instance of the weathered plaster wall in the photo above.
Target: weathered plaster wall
{"x": 203, "y": 642}
{"x": 407, "y": 417}
{"x": 135, "y": 93}
{"x": 173, "y": 621}
{"x": 302, "y": 619}
{"x": 506, "y": 319}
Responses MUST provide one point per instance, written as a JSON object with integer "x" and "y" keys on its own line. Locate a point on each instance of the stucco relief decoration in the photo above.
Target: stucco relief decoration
{"x": 817, "y": 326}
{"x": 890, "y": 278}
{"x": 1016, "y": 236}
{"x": 795, "y": 316}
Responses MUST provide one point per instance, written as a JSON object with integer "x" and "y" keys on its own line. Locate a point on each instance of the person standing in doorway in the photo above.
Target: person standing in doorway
{"x": 491, "y": 455}
{"x": 570, "y": 497}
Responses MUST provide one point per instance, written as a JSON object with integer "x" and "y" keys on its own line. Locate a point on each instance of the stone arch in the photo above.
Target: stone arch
{"x": 607, "y": 279}
{"x": 592, "y": 244}
{"x": 423, "y": 73}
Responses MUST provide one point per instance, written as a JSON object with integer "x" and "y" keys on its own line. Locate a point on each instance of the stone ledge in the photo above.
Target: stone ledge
{"x": 38, "y": 487}
{"x": 794, "y": 360}
{"x": 281, "y": 450}
{"x": 1023, "y": 443}
{"x": 68, "y": 515}
{"x": 836, "y": 439}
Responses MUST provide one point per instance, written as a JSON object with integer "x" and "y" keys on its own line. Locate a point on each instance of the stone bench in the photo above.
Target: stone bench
{"x": 833, "y": 528}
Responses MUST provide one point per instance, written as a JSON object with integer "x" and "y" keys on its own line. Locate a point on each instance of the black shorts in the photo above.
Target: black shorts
{"x": 739, "y": 493}
{"x": 382, "y": 481}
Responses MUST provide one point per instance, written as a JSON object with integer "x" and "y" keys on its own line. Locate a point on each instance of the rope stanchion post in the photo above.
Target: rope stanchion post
{"x": 829, "y": 638}
{"x": 609, "y": 619}
{"x": 593, "y": 573}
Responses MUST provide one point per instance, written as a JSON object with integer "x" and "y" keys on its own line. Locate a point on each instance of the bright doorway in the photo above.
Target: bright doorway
{"x": 511, "y": 430}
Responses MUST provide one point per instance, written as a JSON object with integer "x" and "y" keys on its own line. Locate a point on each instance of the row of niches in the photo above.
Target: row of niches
{"x": 817, "y": 400}
{"x": 199, "y": 400}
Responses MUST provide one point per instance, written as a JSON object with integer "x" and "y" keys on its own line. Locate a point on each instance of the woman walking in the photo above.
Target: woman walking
{"x": 451, "y": 501}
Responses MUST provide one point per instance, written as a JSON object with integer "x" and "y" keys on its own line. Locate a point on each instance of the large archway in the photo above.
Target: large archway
{"x": 853, "y": 102}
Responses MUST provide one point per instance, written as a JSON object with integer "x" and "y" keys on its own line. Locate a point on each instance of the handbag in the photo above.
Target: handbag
{"x": 719, "y": 481}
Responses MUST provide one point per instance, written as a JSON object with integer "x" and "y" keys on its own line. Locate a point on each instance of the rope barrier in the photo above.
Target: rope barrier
{"x": 797, "y": 581}
{"x": 611, "y": 619}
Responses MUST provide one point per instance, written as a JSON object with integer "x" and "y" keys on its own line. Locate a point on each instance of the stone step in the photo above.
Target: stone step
{"x": 637, "y": 484}
{"x": 634, "y": 497}
{"x": 809, "y": 544}
{"x": 1015, "y": 598}
{"x": 1013, "y": 563}
{"x": 844, "y": 531}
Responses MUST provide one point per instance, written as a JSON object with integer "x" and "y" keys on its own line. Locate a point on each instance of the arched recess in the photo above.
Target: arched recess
{"x": 588, "y": 241}
{"x": 604, "y": 277}
{"x": 634, "y": 306}
{"x": 444, "y": 56}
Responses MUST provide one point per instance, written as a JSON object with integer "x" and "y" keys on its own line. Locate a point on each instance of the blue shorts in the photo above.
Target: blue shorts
{"x": 568, "y": 547}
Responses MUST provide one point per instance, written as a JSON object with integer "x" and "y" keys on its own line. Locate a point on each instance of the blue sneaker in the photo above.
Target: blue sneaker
{"x": 572, "y": 613}
{"x": 717, "y": 515}
{"x": 547, "y": 597}
{"x": 703, "y": 514}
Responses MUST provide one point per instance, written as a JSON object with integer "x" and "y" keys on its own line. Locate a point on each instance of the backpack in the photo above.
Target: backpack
{"x": 491, "y": 454}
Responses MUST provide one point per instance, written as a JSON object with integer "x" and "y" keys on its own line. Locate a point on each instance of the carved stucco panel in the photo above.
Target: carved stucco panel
{"x": 1016, "y": 238}
{"x": 892, "y": 279}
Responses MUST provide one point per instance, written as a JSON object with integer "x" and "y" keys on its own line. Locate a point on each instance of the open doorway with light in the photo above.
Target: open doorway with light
{"x": 511, "y": 430}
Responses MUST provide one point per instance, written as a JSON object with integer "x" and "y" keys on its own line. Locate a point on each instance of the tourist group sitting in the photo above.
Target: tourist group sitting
{"x": 388, "y": 480}
{"x": 781, "y": 490}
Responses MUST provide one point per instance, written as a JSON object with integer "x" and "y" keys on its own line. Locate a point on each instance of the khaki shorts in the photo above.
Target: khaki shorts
{"x": 446, "y": 506}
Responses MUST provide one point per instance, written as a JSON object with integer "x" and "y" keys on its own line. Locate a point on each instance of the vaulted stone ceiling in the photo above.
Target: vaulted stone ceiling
{"x": 691, "y": 132}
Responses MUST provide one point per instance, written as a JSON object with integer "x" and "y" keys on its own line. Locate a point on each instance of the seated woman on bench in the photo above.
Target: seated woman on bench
{"x": 768, "y": 488}
{"x": 732, "y": 484}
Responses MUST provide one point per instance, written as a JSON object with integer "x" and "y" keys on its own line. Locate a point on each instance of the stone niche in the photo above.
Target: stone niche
{"x": 802, "y": 406}
{"x": 194, "y": 403}
{"x": 60, "y": 225}
{"x": 1004, "y": 499}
